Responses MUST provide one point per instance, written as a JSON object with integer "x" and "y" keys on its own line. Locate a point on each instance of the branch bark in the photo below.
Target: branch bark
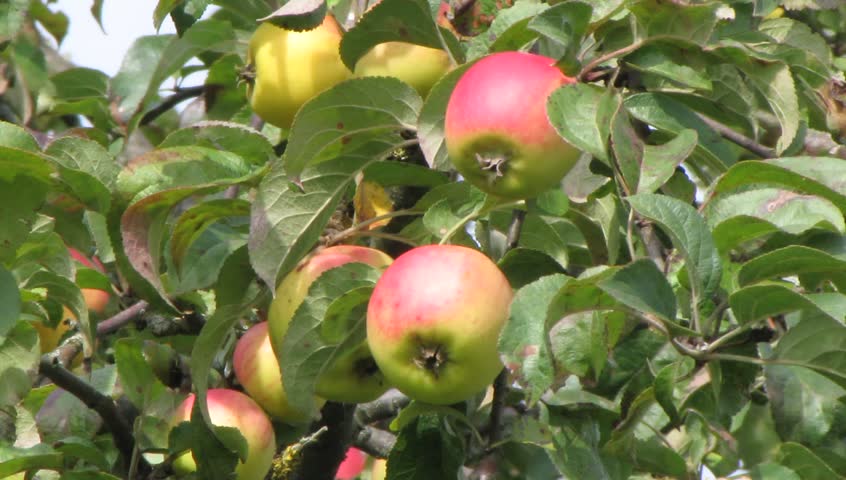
{"x": 116, "y": 322}
{"x": 180, "y": 96}
{"x": 320, "y": 459}
{"x": 374, "y": 441}
{"x": 383, "y": 407}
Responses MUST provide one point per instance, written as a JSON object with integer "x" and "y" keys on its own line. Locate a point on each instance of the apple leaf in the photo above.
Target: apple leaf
{"x": 775, "y": 82}
{"x": 430, "y": 125}
{"x": 190, "y": 226}
{"x": 241, "y": 140}
{"x": 582, "y": 113}
{"x": 627, "y": 147}
{"x": 523, "y": 266}
{"x": 287, "y": 220}
{"x": 660, "y": 161}
{"x": 566, "y": 24}
{"x": 391, "y": 174}
{"x": 38, "y": 457}
{"x": 640, "y": 285}
{"x": 741, "y": 217}
{"x": 820, "y": 176}
{"x": 309, "y": 346}
{"x": 684, "y": 22}
{"x": 787, "y": 261}
{"x": 10, "y": 302}
{"x": 426, "y": 449}
{"x": 347, "y": 116}
{"x": 803, "y": 460}
{"x": 757, "y": 302}
{"x": 678, "y": 65}
{"x": 67, "y": 293}
{"x": 690, "y": 234}
{"x": 13, "y": 136}
{"x": 508, "y": 31}
{"x": 410, "y": 21}
{"x": 298, "y": 15}
{"x": 137, "y": 379}
{"x": 21, "y": 350}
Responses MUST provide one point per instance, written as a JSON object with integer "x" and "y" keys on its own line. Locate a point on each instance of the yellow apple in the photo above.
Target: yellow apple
{"x": 292, "y": 67}
{"x": 415, "y": 65}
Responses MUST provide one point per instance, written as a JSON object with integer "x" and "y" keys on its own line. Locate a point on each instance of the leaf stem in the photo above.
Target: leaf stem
{"x": 342, "y": 235}
{"x": 484, "y": 210}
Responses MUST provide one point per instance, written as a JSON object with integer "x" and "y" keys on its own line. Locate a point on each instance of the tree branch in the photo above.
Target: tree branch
{"x": 121, "y": 431}
{"x": 116, "y": 322}
{"x": 514, "y": 229}
{"x": 374, "y": 441}
{"x": 320, "y": 459}
{"x": 738, "y": 138}
{"x": 180, "y": 96}
{"x": 383, "y": 407}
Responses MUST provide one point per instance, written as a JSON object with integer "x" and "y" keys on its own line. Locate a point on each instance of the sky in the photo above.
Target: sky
{"x": 124, "y": 20}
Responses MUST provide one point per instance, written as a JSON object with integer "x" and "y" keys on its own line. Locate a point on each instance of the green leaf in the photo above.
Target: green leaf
{"x": 19, "y": 354}
{"x": 627, "y": 147}
{"x": 508, "y": 31}
{"x": 523, "y": 266}
{"x": 286, "y": 221}
{"x": 298, "y": 15}
{"x": 236, "y": 292}
{"x": 690, "y": 234}
{"x": 787, "y": 261}
{"x": 13, "y": 136}
{"x": 819, "y": 345}
{"x": 820, "y": 176}
{"x": 804, "y": 462}
{"x": 775, "y": 82}
{"x": 41, "y": 456}
{"x": 660, "y": 161}
{"x": 758, "y": 302}
{"x": 347, "y": 116}
{"x": 565, "y": 23}
{"x": 67, "y": 293}
{"x": 682, "y": 21}
{"x": 307, "y": 350}
{"x": 197, "y": 219}
{"x": 137, "y": 379}
{"x": 549, "y": 235}
{"x": 430, "y": 124}
{"x": 10, "y": 302}
{"x": 85, "y": 156}
{"x": 129, "y": 85}
{"x": 745, "y": 216}
{"x": 524, "y": 343}
{"x": 641, "y": 286}
{"x": 391, "y": 174}
{"x": 425, "y": 449}
{"x": 667, "y": 114}
{"x": 582, "y": 113}
{"x": 672, "y": 63}
{"x": 239, "y": 139}
{"x": 177, "y": 167}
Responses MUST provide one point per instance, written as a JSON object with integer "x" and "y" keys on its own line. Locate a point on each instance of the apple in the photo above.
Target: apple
{"x": 95, "y": 299}
{"x": 379, "y": 470}
{"x": 497, "y": 132}
{"x": 415, "y": 65}
{"x": 230, "y": 408}
{"x": 51, "y": 336}
{"x": 257, "y": 370}
{"x": 289, "y": 68}
{"x": 352, "y": 465}
{"x": 434, "y": 320}
{"x": 352, "y": 378}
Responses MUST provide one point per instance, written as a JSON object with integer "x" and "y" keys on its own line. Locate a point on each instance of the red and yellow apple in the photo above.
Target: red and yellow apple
{"x": 497, "y": 132}
{"x": 352, "y": 465}
{"x": 95, "y": 299}
{"x": 433, "y": 322}
{"x": 257, "y": 369}
{"x": 292, "y": 67}
{"x": 230, "y": 408}
{"x": 353, "y": 377}
{"x": 379, "y": 470}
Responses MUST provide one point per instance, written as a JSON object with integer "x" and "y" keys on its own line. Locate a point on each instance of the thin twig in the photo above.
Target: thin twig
{"x": 116, "y": 322}
{"x": 104, "y": 406}
{"x": 383, "y": 407}
{"x": 514, "y": 229}
{"x": 180, "y": 96}
{"x": 738, "y": 138}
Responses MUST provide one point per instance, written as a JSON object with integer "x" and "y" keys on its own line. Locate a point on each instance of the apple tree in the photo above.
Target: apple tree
{"x": 410, "y": 239}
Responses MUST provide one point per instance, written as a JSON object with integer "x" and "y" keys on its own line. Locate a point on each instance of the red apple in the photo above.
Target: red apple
{"x": 258, "y": 371}
{"x": 434, "y": 320}
{"x": 352, "y": 378}
{"x": 230, "y": 408}
{"x": 95, "y": 299}
{"x": 352, "y": 465}
{"x": 497, "y": 131}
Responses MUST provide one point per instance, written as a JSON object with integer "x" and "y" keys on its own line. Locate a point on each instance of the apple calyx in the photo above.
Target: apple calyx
{"x": 431, "y": 358}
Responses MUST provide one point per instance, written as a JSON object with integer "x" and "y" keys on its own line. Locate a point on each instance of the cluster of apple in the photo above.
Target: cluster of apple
{"x": 288, "y": 68}
{"x": 433, "y": 322}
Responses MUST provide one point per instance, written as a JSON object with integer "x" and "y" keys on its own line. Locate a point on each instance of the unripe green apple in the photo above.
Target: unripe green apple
{"x": 497, "y": 132}
{"x": 291, "y": 67}
{"x": 230, "y": 408}
{"x": 434, "y": 320}
{"x": 419, "y": 66}
{"x": 353, "y": 378}
{"x": 415, "y": 65}
{"x": 257, "y": 370}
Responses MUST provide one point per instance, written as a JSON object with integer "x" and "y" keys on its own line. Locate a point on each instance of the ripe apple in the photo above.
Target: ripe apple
{"x": 352, "y": 465}
{"x": 257, "y": 370}
{"x": 434, "y": 320}
{"x": 230, "y": 408}
{"x": 415, "y": 65}
{"x": 292, "y": 67}
{"x": 352, "y": 378}
{"x": 95, "y": 299}
{"x": 497, "y": 131}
